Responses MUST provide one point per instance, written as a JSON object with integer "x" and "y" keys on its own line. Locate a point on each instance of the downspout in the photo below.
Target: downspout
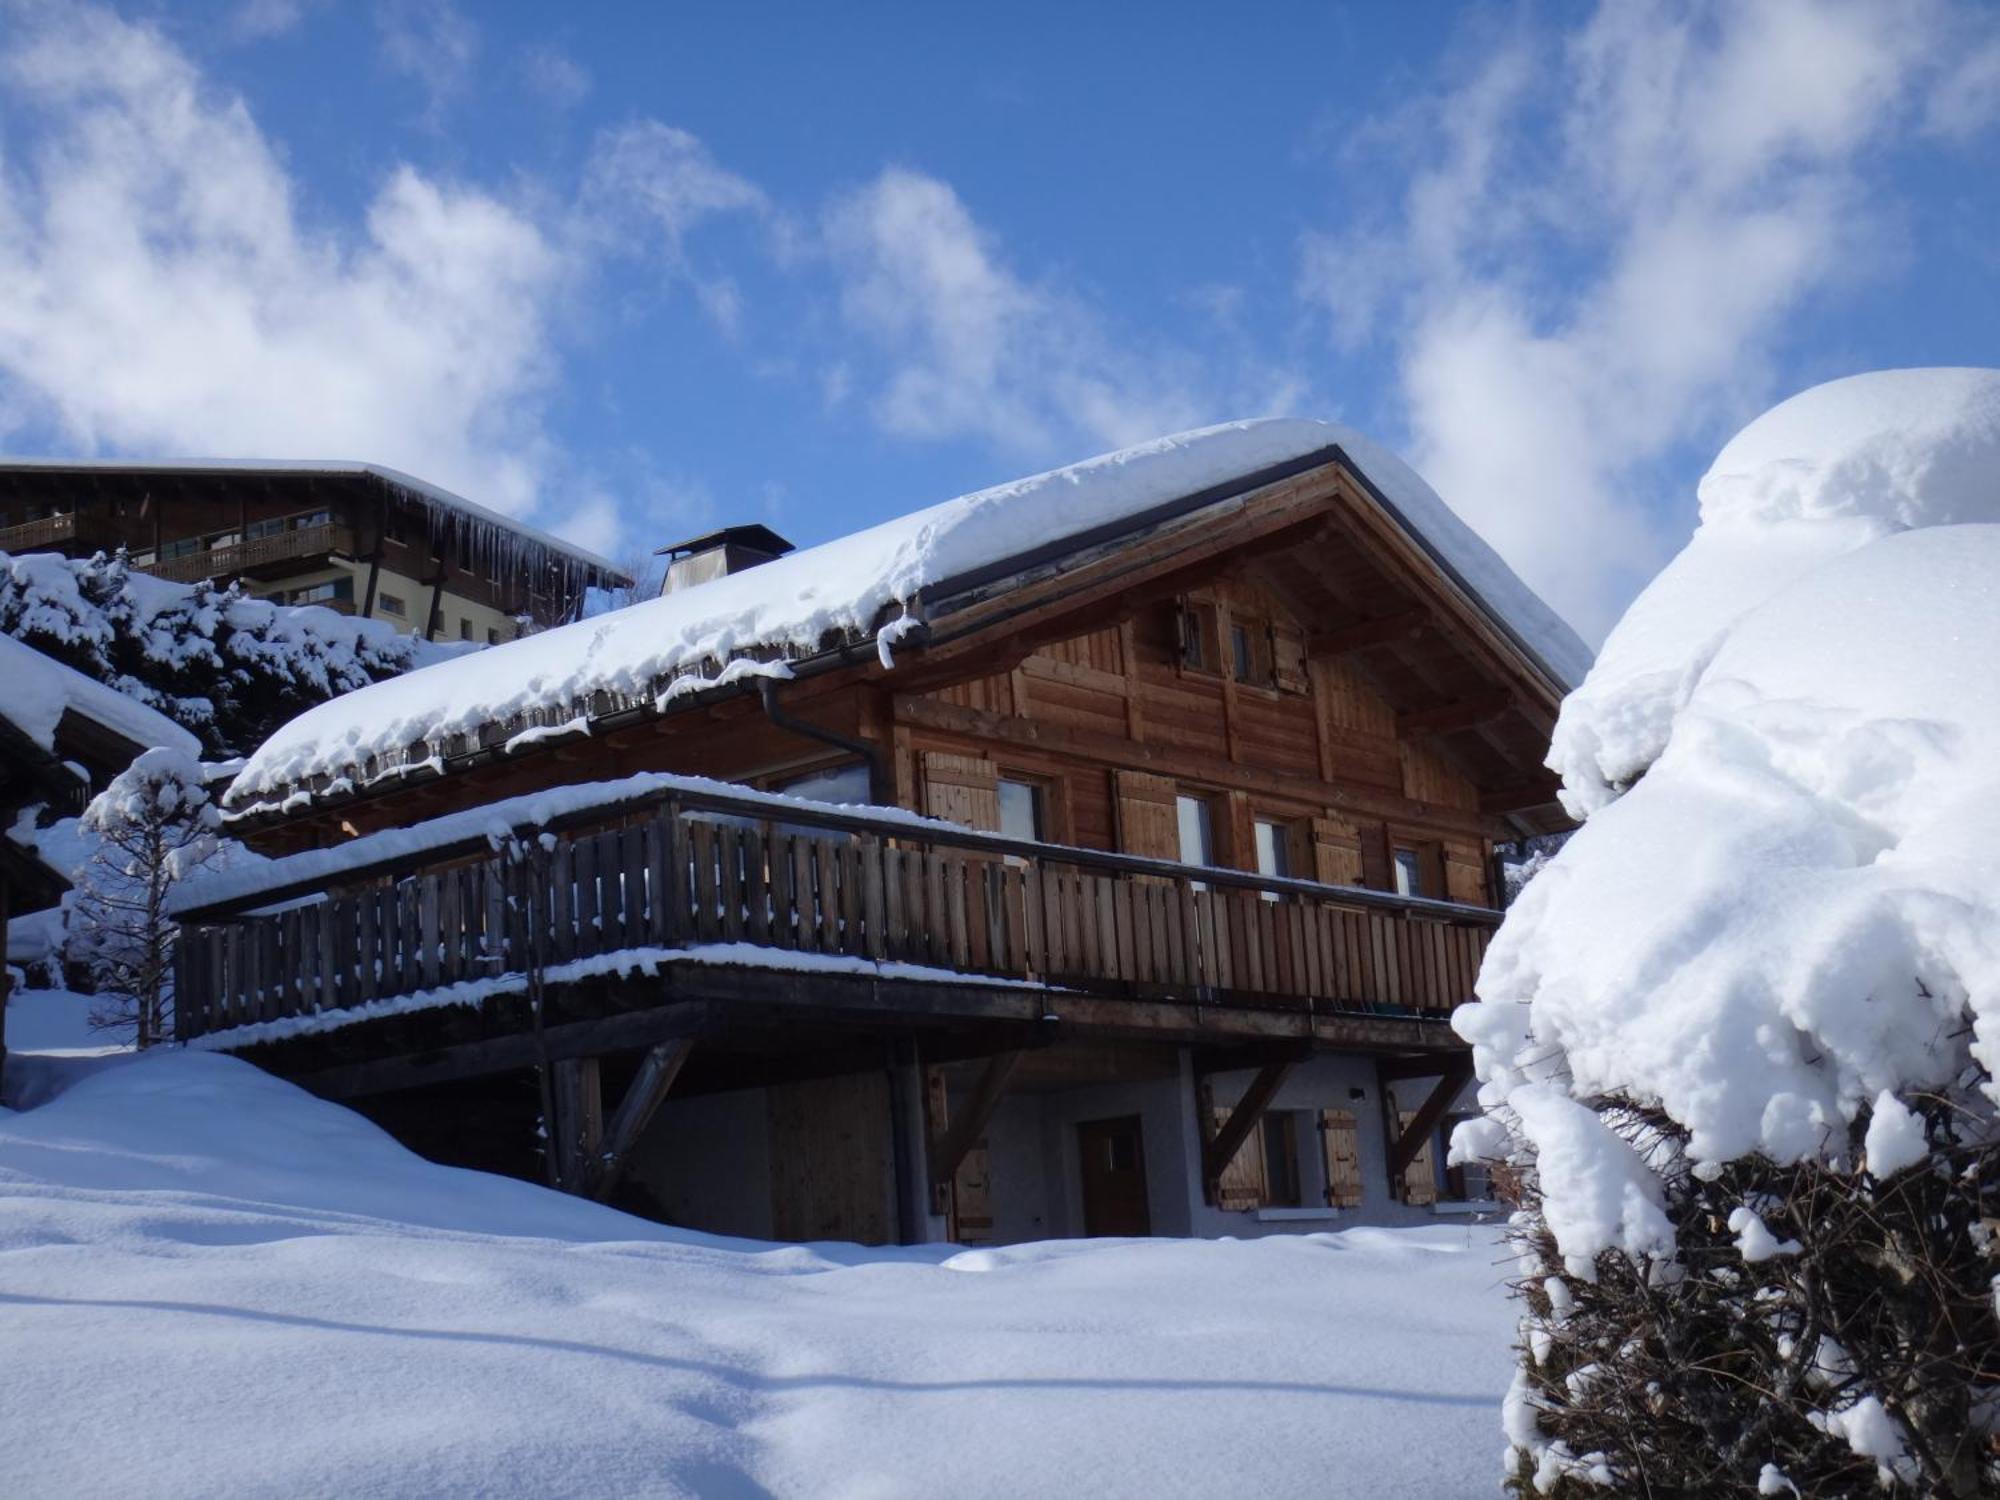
{"x": 881, "y": 785}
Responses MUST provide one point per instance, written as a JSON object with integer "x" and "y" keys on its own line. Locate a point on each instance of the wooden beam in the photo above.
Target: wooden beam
{"x": 656, "y": 1075}
{"x": 1417, "y": 1065}
{"x": 1425, "y": 1120}
{"x": 1539, "y": 791}
{"x": 1447, "y": 718}
{"x": 948, "y": 1153}
{"x": 1242, "y": 1120}
{"x": 1378, "y": 632}
{"x": 577, "y": 1131}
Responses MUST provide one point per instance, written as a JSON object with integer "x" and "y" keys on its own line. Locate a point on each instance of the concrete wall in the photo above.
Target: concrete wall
{"x": 707, "y": 1161}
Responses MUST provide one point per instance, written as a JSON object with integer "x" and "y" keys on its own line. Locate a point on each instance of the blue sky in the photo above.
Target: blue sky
{"x": 632, "y": 270}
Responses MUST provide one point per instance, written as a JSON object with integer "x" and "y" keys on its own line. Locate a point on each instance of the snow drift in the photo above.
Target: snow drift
{"x": 218, "y": 1285}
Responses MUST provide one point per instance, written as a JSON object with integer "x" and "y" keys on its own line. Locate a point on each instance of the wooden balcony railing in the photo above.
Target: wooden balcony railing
{"x": 712, "y": 869}
{"x": 46, "y": 534}
{"x": 258, "y": 552}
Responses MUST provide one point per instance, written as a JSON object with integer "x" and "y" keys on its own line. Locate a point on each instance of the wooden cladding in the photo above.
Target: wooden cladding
{"x": 1241, "y": 1185}
{"x": 569, "y": 904}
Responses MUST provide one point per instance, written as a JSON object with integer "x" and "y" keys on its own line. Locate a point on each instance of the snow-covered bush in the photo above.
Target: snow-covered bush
{"x": 228, "y": 667}
{"x": 1740, "y": 1035}
{"x": 154, "y": 824}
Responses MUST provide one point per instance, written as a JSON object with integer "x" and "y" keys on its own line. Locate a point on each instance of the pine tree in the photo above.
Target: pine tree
{"x": 155, "y": 823}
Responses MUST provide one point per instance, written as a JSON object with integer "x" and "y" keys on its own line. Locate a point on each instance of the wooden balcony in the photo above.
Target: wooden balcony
{"x": 708, "y": 881}
{"x": 264, "y": 556}
{"x": 72, "y": 534}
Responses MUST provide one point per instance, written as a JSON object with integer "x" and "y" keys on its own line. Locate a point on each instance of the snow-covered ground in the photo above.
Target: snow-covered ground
{"x": 213, "y": 1284}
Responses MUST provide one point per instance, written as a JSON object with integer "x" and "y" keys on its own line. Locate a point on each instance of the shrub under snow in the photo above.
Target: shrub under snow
{"x": 1741, "y": 1032}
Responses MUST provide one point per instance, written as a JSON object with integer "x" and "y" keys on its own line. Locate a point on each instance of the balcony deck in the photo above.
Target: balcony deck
{"x": 698, "y": 913}
{"x": 260, "y": 557}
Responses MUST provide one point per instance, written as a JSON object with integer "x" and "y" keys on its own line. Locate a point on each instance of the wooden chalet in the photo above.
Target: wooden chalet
{"x": 1177, "y": 854}
{"x": 355, "y": 538}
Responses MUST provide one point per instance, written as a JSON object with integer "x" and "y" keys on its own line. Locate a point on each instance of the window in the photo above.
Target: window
{"x": 1274, "y": 852}
{"x": 391, "y": 604}
{"x": 841, "y": 784}
{"x": 464, "y": 628}
{"x": 1195, "y": 628}
{"x": 492, "y": 636}
{"x": 334, "y": 589}
{"x": 187, "y": 546}
{"x": 1281, "y": 1158}
{"x": 1197, "y": 842}
{"x": 1021, "y": 809}
{"x": 1408, "y": 871}
{"x": 1250, "y": 652}
{"x": 258, "y": 529}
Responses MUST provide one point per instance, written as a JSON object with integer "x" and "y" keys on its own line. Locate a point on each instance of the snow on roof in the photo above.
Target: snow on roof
{"x": 431, "y": 495}
{"x": 656, "y": 650}
{"x": 1794, "y": 909}
{"x": 1827, "y": 471}
{"x": 40, "y": 689}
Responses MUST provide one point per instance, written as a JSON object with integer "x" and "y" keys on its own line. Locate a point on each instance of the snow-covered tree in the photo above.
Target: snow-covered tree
{"x": 228, "y": 667}
{"x": 1739, "y": 1037}
{"x": 154, "y": 824}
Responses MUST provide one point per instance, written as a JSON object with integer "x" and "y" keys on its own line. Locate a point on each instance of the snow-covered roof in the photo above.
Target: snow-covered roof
{"x": 40, "y": 690}
{"x": 431, "y": 496}
{"x": 658, "y": 650}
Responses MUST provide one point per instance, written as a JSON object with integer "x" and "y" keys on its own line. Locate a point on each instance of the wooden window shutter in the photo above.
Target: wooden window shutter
{"x": 1242, "y": 1183}
{"x": 1464, "y": 873}
{"x": 962, "y": 789}
{"x": 1288, "y": 659}
{"x": 1336, "y": 848}
{"x": 1420, "y": 1177}
{"x": 1340, "y": 1147}
{"x": 1148, "y": 823}
{"x": 1375, "y": 858}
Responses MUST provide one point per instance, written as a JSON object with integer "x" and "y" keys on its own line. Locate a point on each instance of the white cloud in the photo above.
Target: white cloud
{"x": 974, "y": 349}
{"x": 159, "y": 294}
{"x": 432, "y": 43}
{"x": 257, "y": 20}
{"x": 554, "y": 77}
{"x": 1602, "y": 240}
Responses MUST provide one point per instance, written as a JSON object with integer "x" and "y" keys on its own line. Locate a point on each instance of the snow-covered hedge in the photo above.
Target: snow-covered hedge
{"x": 1739, "y": 1036}
{"x": 228, "y": 667}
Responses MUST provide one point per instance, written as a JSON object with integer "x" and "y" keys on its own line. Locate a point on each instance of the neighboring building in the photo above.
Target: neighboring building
{"x": 356, "y": 538}
{"x": 62, "y": 738}
{"x": 1212, "y": 739}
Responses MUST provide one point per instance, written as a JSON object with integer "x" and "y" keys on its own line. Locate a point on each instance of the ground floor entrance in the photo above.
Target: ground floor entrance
{"x": 1111, "y": 1157}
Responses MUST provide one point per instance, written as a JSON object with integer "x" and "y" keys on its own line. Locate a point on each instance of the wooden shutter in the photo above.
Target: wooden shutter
{"x": 1340, "y": 1147}
{"x": 1242, "y": 1183}
{"x": 1336, "y": 852}
{"x": 972, "y": 1196}
{"x": 1147, "y": 821}
{"x": 1420, "y": 1177}
{"x": 962, "y": 789}
{"x": 1288, "y": 659}
{"x": 1464, "y": 873}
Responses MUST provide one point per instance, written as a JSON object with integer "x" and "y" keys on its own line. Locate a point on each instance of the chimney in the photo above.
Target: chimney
{"x": 716, "y": 553}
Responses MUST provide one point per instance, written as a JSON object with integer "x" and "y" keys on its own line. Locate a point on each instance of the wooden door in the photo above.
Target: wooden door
{"x": 1113, "y": 1155}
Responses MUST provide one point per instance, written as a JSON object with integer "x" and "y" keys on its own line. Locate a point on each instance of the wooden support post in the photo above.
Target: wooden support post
{"x": 1242, "y": 1120}
{"x": 949, "y": 1146}
{"x": 579, "y": 1121}
{"x": 656, "y": 1075}
{"x": 1457, "y": 1073}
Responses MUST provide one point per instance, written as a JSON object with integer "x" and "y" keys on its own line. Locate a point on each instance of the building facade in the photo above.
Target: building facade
{"x": 354, "y": 538}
